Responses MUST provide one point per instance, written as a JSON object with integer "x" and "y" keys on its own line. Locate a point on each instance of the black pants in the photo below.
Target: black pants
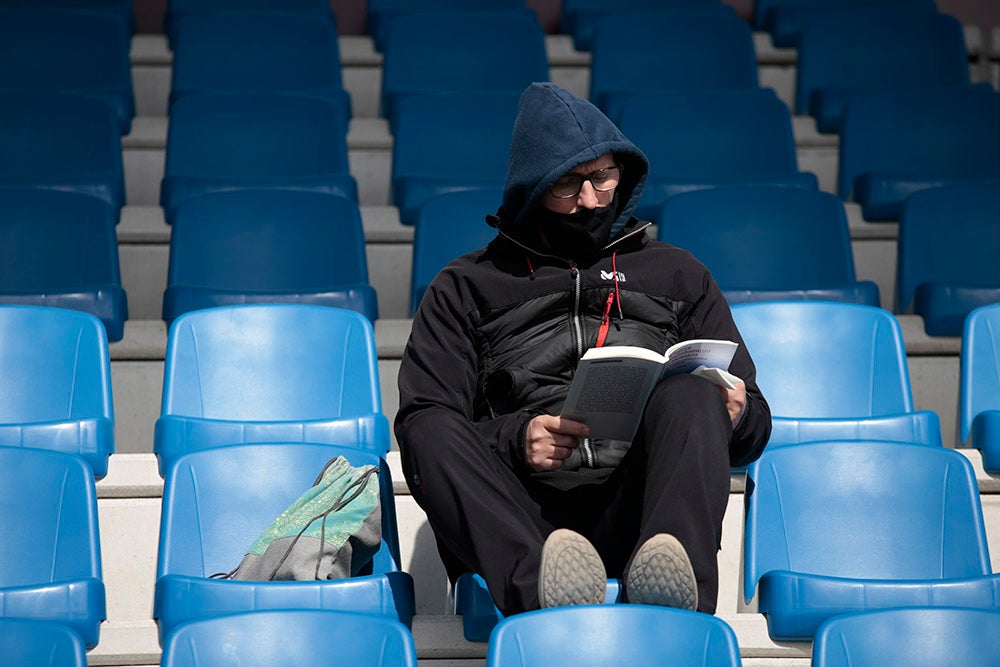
{"x": 489, "y": 520}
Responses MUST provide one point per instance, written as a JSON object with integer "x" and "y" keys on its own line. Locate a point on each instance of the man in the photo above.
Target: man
{"x": 513, "y": 491}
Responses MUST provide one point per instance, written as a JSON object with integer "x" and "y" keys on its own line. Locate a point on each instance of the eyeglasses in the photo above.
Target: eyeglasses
{"x": 603, "y": 180}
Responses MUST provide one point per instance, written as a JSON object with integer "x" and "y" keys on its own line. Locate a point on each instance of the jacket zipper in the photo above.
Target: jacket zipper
{"x": 576, "y": 319}
{"x": 586, "y": 448}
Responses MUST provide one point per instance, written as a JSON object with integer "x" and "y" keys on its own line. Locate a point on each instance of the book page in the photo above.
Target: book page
{"x": 687, "y": 355}
{"x": 609, "y": 395}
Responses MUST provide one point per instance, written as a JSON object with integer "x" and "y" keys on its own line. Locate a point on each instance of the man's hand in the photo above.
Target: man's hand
{"x": 549, "y": 440}
{"x": 736, "y": 400}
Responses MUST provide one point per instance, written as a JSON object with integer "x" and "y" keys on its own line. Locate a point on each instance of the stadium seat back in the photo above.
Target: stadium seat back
{"x": 256, "y": 52}
{"x": 979, "y": 390}
{"x": 702, "y": 139}
{"x": 221, "y": 142}
{"x": 826, "y": 360}
{"x": 177, "y": 11}
{"x": 580, "y": 635}
{"x": 910, "y": 635}
{"x": 31, "y": 643}
{"x": 57, "y": 389}
{"x": 669, "y": 51}
{"x": 289, "y": 361}
{"x": 582, "y": 18}
{"x": 63, "y": 142}
{"x": 799, "y": 240}
{"x": 83, "y": 53}
{"x": 843, "y": 526}
{"x": 380, "y": 14}
{"x": 288, "y": 637}
{"x": 305, "y": 373}
{"x": 887, "y": 135}
{"x": 448, "y": 226}
{"x": 783, "y": 19}
{"x": 250, "y": 246}
{"x": 449, "y": 142}
{"x": 460, "y": 52}
{"x": 50, "y": 566}
{"x": 60, "y": 249}
{"x": 949, "y": 241}
{"x": 843, "y": 53}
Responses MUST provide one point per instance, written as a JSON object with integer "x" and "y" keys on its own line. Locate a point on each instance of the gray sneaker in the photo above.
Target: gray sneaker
{"x": 571, "y": 572}
{"x": 660, "y": 573}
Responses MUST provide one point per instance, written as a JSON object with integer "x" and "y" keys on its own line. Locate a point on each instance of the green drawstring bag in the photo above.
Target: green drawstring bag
{"x": 331, "y": 531}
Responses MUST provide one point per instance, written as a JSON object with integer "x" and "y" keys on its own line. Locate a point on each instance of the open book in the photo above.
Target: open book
{"x": 611, "y": 384}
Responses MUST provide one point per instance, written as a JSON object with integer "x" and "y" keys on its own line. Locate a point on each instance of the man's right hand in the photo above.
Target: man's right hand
{"x": 549, "y": 440}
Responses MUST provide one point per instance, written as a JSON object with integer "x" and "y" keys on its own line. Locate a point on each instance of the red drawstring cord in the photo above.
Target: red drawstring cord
{"x": 602, "y": 331}
{"x": 618, "y": 298}
{"x": 613, "y": 297}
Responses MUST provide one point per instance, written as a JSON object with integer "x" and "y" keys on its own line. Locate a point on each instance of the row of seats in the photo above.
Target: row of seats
{"x": 213, "y": 350}
{"x": 60, "y": 249}
{"x": 225, "y": 122}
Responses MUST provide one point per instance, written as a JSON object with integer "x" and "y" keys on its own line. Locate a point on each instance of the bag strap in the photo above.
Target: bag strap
{"x": 355, "y": 489}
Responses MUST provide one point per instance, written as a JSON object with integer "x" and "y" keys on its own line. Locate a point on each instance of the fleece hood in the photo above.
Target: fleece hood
{"x": 554, "y": 132}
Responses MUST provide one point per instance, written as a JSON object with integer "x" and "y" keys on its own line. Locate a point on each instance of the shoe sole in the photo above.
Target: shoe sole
{"x": 571, "y": 571}
{"x": 661, "y": 574}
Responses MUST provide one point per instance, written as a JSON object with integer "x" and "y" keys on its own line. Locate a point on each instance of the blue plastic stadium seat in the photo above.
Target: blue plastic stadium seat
{"x": 56, "y": 392}
{"x": 799, "y": 241}
{"x": 665, "y": 51}
{"x": 639, "y": 635}
{"x": 448, "y": 226}
{"x": 480, "y": 615}
{"x": 910, "y": 636}
{"x": 460, "y": 52}
{"x": 979, "y": 391}
{"x": 179, "y": 10}
{"x": 850, "y": 52}
{"x": 381, "y": 13}
{"x": 783, "y": 19}
{"x": 29, "y": 643}
{"x": 50, "y": 565}
{"x": 833, "y": 371}
{"x": 236, "y": 141}
{"x": 581, "y": 18}
{"x": 888, "y": 150}
{"x": 215, "y": 504}
{"x": 841, "y": 527}
{"x": 119, "y": 10}
{"x": 303, "y": 373}
{"x": 244, "y": 247}
{"x": 949, "y": 242}
{"x": 60, "y": 141}
{"x": 60, "y": 249}
{"x": 448, "y": 143}
{"x": 290, "y": 637}
{"x": 254, "y": 52}
{"x": 68, "y": 52}
{"x": 702, "y": 139}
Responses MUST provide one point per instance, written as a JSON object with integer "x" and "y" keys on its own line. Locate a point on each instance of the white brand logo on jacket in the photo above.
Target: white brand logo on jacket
{"x": 610, "y": 275}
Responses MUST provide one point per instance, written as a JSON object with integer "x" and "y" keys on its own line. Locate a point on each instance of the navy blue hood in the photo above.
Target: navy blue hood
{"x": 554, "y": 132}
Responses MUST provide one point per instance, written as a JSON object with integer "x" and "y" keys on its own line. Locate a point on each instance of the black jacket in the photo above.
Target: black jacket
{"x": 499, "y": 331}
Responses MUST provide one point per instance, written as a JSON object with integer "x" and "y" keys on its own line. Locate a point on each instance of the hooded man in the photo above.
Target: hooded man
{"x": 518, "y": 494}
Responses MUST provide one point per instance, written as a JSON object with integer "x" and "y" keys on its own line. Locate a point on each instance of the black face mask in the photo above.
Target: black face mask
{"x": 578, "y": 236}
